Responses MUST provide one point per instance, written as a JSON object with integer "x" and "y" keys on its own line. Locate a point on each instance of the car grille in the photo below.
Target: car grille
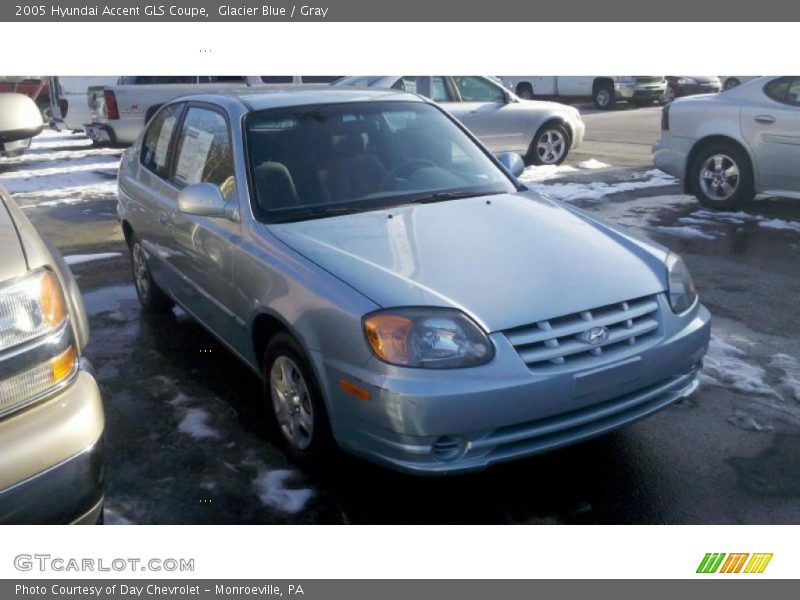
{"x": 557, "y": 341}
{"x": 648, "y": 79}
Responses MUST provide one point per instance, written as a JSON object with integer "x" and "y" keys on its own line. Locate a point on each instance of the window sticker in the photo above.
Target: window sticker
{"x": 194, "y": 152}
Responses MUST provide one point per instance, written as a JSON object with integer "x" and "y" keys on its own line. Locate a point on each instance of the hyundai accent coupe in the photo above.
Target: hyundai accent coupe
{"x": 399, "y": 292}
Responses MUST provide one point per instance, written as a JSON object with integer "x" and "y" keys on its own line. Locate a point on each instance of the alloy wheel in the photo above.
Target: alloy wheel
{"x": 551, "y": 146}
{"x": 719, "y": 177}
{"x": 291, "y": 402}
{"x": 140, "y": 274}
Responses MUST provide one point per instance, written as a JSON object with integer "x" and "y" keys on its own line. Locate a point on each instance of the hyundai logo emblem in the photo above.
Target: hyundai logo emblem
{"x": 594, "y": 336}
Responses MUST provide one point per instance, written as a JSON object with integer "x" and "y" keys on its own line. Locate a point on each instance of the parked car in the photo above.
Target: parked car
{"x": 543, "y": 132}
{"x": 728, "y": 147}
{"x": 20, "y": 120}
{"x": 51, "y": 413}
{"x": 69, "y": 104}
{"x": 731, "y": 81}
{"x": 605, "y": 91}
{"x": 36, "y": 88}
{"x": 680, "y": 86}
{"x": 398, "y": 290}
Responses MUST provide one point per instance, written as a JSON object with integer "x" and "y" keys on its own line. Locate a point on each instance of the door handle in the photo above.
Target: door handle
{"x": 766, "y": 119}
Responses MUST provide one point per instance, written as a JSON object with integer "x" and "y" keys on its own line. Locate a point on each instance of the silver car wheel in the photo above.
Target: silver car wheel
{"x": 291, "y": 402}
{"x": 140, "y": 274}
{"x": 603, "y": 97}
{"x": 551, "y": 147}
{"x": 719, "y": 177}
{"x": 669, "y": 95}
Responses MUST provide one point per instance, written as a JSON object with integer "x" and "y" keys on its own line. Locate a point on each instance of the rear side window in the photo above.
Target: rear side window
{"x": 158, "y": 139}
{"x": 204, "y": 151}
{"x": 785, "y": 90}
{"x": 156, "y": 80}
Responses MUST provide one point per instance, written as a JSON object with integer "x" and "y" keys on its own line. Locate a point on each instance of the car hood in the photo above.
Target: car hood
{"x": 13, "y": 263}
{"x": 507, "y": 260}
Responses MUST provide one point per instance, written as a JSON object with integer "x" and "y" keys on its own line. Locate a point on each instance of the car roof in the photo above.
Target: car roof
{"x": 284, "y": 97}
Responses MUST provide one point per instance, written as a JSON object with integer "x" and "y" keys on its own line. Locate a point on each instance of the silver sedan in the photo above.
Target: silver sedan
{"x": 728, "y": 147}
{"x": 542, "y": 132}
{"x": 398, "y": 290}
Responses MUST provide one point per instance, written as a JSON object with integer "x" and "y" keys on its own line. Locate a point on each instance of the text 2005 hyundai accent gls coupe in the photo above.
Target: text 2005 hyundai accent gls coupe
{"x": 397, "y": 290}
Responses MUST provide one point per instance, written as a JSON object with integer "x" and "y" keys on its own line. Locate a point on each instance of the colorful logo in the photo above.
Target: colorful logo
{"x": 719, "y": 562}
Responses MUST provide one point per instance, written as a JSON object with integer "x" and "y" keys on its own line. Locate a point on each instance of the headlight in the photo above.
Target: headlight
{"x": 434, "y": 338}
{"x": 37, "y": 351}
{"x": 682, "y": 293}
{"x": 687, "y": 81}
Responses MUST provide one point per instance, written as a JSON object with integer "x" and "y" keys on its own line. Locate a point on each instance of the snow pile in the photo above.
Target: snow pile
{"x": 780, "y": 224}
{"x": 270, "y": 487}
{"x": 195, "y": 424}
{"x": 598, "y": 190}
{"x": 592, "y": 164}
{"x": 79, "y": 259}
{"x": 725, "y": 367}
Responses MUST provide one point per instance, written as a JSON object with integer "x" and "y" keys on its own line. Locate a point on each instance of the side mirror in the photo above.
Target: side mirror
{"x": 512, "y": 162}
{"x": 205, "y": 200}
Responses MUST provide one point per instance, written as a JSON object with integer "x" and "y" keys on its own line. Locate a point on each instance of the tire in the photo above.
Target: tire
{"x": 603, "y": 96}
{"x": 152, "y": 298}
{"x": 550, "y": 145}
{"x": 298, "y": 417}
{"x": 525, "y": 91}
{"x": 730, "y": 83}
{"x": 721, "y": 177}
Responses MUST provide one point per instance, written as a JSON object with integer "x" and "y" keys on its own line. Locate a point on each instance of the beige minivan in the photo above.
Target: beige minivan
{"x": 51, "y": 412}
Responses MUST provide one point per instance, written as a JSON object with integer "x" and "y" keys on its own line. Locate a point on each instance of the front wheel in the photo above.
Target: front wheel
{"x": 668, "y": 95}
{"x": 297, "y": 408}
{"x": 722, "y": 178}
{"x": 550, "y": 146}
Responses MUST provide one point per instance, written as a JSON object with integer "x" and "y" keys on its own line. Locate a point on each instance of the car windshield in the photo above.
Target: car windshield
{"x": 359, "y": 81}
{"x": 315, "y": 161}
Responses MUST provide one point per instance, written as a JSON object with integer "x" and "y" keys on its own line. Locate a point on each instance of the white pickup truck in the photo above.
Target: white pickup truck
{"x": 119, "y": 112}
{"x": 605, "y": 91}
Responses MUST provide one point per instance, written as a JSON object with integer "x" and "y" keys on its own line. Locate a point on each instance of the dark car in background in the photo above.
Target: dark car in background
{"x": 679, "y": 86}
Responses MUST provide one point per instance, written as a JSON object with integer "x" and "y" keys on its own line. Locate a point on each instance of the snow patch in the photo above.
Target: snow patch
{"x": 545, "y": 172}
{"x": 598, "y": 190}
{"x": 195, "y": 424}
{"x": 592, "y": 164}
{"x": 780, "y": 224}
{"x": 724, "y": 366}
{"x": 270, "y": 487}
{"x": 79, "y": 259}
{"x": 791, "y": 373}
{"x": 685, "y": 231}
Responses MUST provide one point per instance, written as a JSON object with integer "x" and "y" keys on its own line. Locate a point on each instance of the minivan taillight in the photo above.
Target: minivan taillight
{"x": 63, "y": 105}
{"x": 112, "y": 112}
{"x": 665, "y": 118}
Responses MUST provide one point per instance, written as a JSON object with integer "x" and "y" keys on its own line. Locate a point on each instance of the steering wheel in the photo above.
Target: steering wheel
{"x": 406, "y": 169}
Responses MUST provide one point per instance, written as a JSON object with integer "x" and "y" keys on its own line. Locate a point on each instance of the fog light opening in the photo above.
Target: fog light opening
{"x": 448, "y": 448}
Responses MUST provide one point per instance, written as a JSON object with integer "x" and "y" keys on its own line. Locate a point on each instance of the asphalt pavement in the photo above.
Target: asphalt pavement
{"x": 185, "y": 420}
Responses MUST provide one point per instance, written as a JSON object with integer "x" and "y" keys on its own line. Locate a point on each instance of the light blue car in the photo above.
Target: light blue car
{"x": 401, "y": 294}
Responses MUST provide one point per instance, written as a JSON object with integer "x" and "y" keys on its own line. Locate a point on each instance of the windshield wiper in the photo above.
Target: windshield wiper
{"x": 444, "y": 196}
{"x": 317, "y": 213}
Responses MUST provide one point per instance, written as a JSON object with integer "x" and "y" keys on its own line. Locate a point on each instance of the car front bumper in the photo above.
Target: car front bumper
{"x": 466, "y": 420}
{"x": 51, "y": 458}
{"x": 639, "y": 92}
